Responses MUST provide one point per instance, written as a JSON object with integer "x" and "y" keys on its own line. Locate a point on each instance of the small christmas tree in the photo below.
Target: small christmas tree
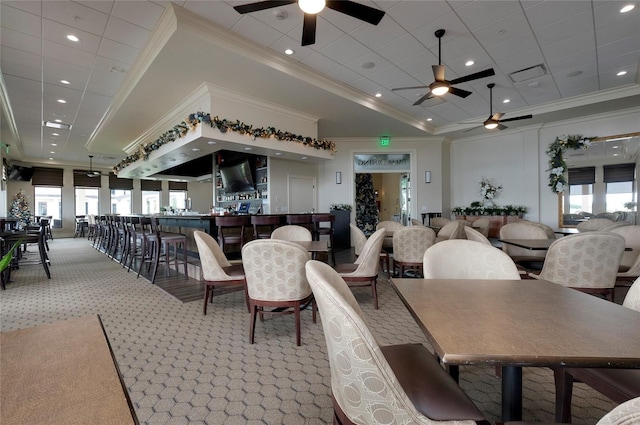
{"x": 20, "y": 208}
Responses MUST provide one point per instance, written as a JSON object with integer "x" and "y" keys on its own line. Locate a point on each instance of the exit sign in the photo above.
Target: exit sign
{"x": 384, "y": 141}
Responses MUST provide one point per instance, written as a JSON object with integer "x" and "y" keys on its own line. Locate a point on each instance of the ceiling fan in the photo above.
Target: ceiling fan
{"x": 494, "y": 120}
{"x": 92, "y": 173}
{"x": 311, "y": 8}
{"x": 441, "y": 86}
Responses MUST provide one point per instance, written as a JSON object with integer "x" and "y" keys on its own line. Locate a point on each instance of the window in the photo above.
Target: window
{"x": 87, "y": 201}
{"x": 150, "y": 202}
{"x": 580, "y": 198}
{"x": 120, "y": 201}
{"x": 177, "y": 199}
{"x": 619, "y": 180}
{"x": 49, "y": 200}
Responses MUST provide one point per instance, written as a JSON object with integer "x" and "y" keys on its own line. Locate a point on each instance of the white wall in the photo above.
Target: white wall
{"x": 279, "y": 172}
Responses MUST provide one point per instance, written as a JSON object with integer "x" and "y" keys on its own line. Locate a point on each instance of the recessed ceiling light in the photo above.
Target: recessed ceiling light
{"x": 54, "y": 134}
{"x": 195, "y": 149}
{"x": 304, "y": 157}
{"x": 621, "y": 73}
{"x": 64, "y": 82}
{"x": 212, "y": 142}
{"x": 378, "y": 94}
{"x": 506, "y": 101}
{"x": 615, "y": 154}
{"x": 57, "y": 125}
{"x": 278, "y": 153}
{"x": 288, "y": 52}
{"x": 72, "y": 37}
{"x": 615, "y": 147}
{"x": 248, "y": 149}
{"x": 627, "y": 8}
{"x": 429, "y": 119}
{"x": 50, "y": 159}
{"x": 62, "y": 101}
{"x": 54, "y": 144}
{"x": 52, "y": 152}
{"x": 57, "y": 120}
{"x": 469, "y": 63}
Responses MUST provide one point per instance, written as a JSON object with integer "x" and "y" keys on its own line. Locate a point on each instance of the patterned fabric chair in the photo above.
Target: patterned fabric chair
{"x": 476, "y": 235}
{"x": 358, "y": 237}
{"x": 615, "y": 225}
{"x": 585, "y": 261}
{"x": 593, "y": 224}
{"x": 629, "y": 268}
{"x": 439, "y": 221}
{"x": 463, "y": 259}
{"x": 409, "y": 245}
{"x": 390, "y": 227}
{"x": 374, "y": 385}
{"x": 627, "y": 413}
{"x": 528, "y": 259}
{"x": 619, "y": 385}
{"x": 482, "y": 226}
{"x": 364, "y": 271}
{"x": 216, "y": 269}
{"x": 274, "y": 270}
{"x": 454, "y": 229}
{"x": 415, "y": 222}
{"x": 291, "y": 232}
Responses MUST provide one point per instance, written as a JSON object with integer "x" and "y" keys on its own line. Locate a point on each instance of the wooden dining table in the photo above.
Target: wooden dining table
{"x": 516, "y": 323}
{"x": 531, "y": 244}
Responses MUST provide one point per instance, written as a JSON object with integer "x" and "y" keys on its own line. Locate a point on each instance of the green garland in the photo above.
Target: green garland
{"x": 224, "y": 125}
{"x": 557, "y": 165}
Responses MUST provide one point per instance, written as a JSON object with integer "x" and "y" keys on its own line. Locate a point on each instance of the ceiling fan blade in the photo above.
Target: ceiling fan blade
{"x": 438, "y": 72}
{"x": 423, "y": 98}
{"x": 523, "y": 117}
{"x": 410, "y": 88}
{"x": 262, "y": 5}
{"x": 482, "y": 74}
{"x": 496, "y": 116}
{"x": 459, "y": 92}
{"x": 501, "y": 127}
{"x": 356, "y": 10}
{"x": 309, "y": 29}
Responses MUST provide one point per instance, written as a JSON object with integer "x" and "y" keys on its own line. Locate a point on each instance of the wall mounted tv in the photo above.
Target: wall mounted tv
{"x": 18, "y": 172}
{"x": 237, "y": 174}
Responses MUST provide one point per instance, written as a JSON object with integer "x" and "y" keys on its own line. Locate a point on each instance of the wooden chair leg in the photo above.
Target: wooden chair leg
{"x": 564, "y": 392}
{"x": 374, "y": 293}
{"x": 252, "y": 321}
{"x": 296, "y": 313}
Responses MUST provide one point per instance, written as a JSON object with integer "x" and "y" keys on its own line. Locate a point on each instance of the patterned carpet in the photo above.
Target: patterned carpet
{"x": 182, "y": 367}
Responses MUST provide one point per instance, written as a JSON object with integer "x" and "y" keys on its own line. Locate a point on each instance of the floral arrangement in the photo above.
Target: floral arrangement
{"x": 223, "y": 125}
{"x": 20, "y": 208}
{"x": 489, "y": 189}
{"x": 557, "y": 165}
{"x": 341, "y": 207}
{"x": 476, "y": 209}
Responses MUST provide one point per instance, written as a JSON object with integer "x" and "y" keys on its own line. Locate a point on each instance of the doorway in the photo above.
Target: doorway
{"x": 392, "y": 196}
{"x": 302, "y": 194}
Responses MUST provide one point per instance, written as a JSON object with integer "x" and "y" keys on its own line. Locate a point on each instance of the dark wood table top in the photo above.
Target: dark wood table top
{"x": 521, "y": 322}
{"x": 314, "y": 246}
{"x": 532, "y": 244}
{"x": 566, "y": 231}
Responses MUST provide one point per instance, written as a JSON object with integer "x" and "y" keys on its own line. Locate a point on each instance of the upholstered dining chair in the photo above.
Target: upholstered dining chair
{"x": 615, "y": 225}
{"x": 482, "y": 225}
{"x": 409, "y": 245}
{"x": 439, "y": 221}
{"x": 358, "y": 237}
{"x": 619, "y": 385}
{"x": 390, "y": 227}
{"x": 364, "y": 271}
{"x": 276, "y": 280}
{"x": 217, "y": 271}
{"x": 593, "y": 224}
{"x": 585, "y": 261}
{"x": 627, "y": 413}
{"x": 629, "y": 268}
{"x": 291, "y": 232}
{"x": 528, "y": 259}
{"x": 454, "y": 229}
{"x": 373, "y": 384}
{"x": 464, "y": 259}
{"x": 475, "y": 235}
{"x": 415, "y": 222}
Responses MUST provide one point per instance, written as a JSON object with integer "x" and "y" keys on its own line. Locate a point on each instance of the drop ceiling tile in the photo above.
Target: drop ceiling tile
{"x": 140, "y": 13}
{"x": 389, "y": 76}
{"x": 342, "y": 21}
{"x": 55, "y": 70}
{"x": 619, "y": 30}
{"x": 412, "y": 15}
{"x": 478, "y": 14}
{"x": 450, "y": 22}
{"x": 126, "y": 33}
{"x": 378, "y": 61}
{"x": 374, "y": 36}
{"x": 75, "y": 15}
{"x": 513, "y": 46}
{"x": 579, "y": 43}
{"x": 400, "y": 49}
{"x": 21, "y": 41}
{"x": 366, "y": 85}
{"x": 19, "y": 20}
{"x": 20, "y": 64}
{"x": 344, "y": 74}
{"x": 576, "y": 25}
{"x": 58, "y": 33}
{"x": 497, "y": 32}
{"x": 344, "y": 49}
{"x": 419, "y": 64}
{"x": 32, "y": 7}
{"x": 292, "y": 14}
{"x": 546, "y": 13}
{"x": 67, "y": 54}
{"x": 608, "y": 13}
{"x": 583, "y": 60}
{"x": 612, "y": 65}
{"x": 579, "y": 86}
{"x": 620, "y": 47}
{"x": 286, "y": 42}
{"x": 320, "y": 63}
{"x": 326, "y": 34}
{"x": 215, "y": 11}
{"x": 449, "y": 112}
{"x": 118, "y": 51}
{"x": 104, "y": 6}
{"x": 521, "y": 61}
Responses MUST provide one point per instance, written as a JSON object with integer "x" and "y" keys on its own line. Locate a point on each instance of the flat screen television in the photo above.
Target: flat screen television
{"x": 18, "y": 172}
{"x": 237, "y": 176}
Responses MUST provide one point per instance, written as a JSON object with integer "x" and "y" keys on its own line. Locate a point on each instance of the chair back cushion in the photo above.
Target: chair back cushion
{"x": 358, "y": 237}
{"x": 369, "y": 259}
{"x": 464, "y": 259}
{"x": 410, "y": 243}
{"x": 482, "y": 225}
{"x": 274, "y": 270}
{"x": 364, "y": 386}
{"x": 522, "y": 230}
{"x": 627, "y": 413}
{"x": 593, "y": 224}
{"x": 630, "y": 259}
{"x": 632, "y": 299}
{"x": 415, "y": 222}
{"x": 439, "y": 221}
{"x": 291, "y": 232}
{"x": 454, "y": 229}
{"x": 212, "y": 259}
{"x": 476, "y": 235}
{"x": 584, "y": 260}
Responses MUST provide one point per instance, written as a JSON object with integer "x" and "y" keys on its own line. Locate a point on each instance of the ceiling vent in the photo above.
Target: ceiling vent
{"x": 528, "y": 73}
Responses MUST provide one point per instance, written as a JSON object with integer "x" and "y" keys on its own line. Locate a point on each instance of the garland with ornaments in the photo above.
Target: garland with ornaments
{"x": 223, "y": 125}
{"x": 557, "y": 165}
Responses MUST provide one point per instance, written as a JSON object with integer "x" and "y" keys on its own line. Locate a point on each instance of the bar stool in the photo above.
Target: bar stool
{"x": 319, "y": 230}
{"x": 157, "y": 242}
{"x": 303, "y": 220}
{"x": 231, "y": 230}
{"x": 263, "y": 225}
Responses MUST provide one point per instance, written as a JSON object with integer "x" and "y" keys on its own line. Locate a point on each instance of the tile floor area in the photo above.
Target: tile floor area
{"x": 181, "y": 367}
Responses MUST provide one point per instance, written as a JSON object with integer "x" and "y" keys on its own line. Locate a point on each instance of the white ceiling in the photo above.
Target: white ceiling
{"x": 113, "y": 98}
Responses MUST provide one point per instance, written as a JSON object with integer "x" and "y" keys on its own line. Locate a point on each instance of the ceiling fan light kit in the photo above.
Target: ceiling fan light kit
{"x": 312, "y": 6}
{"x": 494, "y": 120}
{"x": 439, "y": 88}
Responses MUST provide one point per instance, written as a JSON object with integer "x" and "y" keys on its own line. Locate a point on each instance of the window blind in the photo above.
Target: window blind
{"x": 119, "y": 184}
{"x": 47, "y": 176}
{"x": 177, "y": 185}
{"x": 582, "y": 175}
{"x": 619, "y": 173}
{"x": 150, "y": 185}
{"x": 80, "y": 179}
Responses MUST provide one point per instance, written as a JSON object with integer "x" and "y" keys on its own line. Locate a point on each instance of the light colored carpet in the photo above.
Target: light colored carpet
{"x": 182, "y": 367}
